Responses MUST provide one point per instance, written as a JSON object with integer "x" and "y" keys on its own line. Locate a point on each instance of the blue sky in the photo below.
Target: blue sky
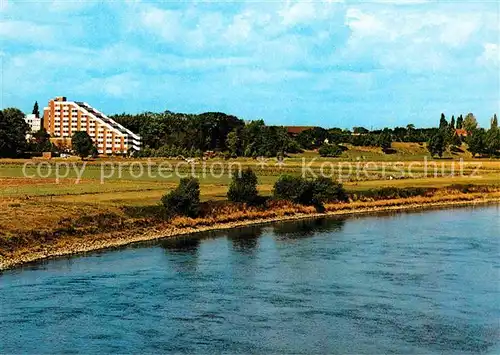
{"x": 332, "y": 63}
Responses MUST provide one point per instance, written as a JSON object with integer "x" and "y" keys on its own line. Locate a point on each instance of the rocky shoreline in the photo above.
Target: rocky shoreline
{"x": 119, "y": 239}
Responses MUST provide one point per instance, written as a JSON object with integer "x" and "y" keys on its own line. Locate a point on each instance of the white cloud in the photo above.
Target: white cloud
{"x": 490, "y": 55}
{"x": 262, "y": 76}
{"x": 364, "y": 25}
{"x": 298, "y": 13}
{"x": 173, "y": 49}
{"x": 105, "y": 70}
{"x": 456, "y": 32}
{"x": 252, "y": 26}
{"x": 401, "y": 2}
{"x": 247, "y": 26}
{"x": 117, "y": 86}
{"x": 165, "y": 23}
{"x": 414, "y": 38}
{"x": 25, "y": 31}
{"x": 450, "y": 29}
{"x": 71, "y": 6}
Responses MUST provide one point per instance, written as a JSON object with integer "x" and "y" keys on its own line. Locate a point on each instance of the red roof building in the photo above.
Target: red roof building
{"x": 461, "y": 132}
{"x": 296, "y": 130}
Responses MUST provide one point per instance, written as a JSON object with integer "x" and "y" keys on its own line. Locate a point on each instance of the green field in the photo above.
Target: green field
{"x": 143, "y": 182}
{"x": 38, "y": 195}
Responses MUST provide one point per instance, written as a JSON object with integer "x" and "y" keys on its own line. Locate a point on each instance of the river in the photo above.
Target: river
{"x": 420, "y": 282}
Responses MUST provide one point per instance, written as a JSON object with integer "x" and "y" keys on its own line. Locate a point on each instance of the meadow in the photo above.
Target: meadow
{"x": 36, "y": 197}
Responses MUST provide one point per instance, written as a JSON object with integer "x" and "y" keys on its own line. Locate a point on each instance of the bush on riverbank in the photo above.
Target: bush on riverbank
{"x": 184, "y": 200}
{"x": 244, "y": 188}
{"x": 308, "y": 192}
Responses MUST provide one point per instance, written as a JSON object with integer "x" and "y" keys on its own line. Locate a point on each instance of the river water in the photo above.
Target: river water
{"x": 420, "y": 282}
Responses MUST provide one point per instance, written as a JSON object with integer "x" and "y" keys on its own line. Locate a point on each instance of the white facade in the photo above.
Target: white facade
{"x": 34, "y": 122}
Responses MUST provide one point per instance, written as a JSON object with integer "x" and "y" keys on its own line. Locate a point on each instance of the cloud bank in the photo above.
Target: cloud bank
{"x": 296, "y": 62}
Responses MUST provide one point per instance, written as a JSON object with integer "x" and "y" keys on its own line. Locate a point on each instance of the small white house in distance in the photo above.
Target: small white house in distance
{"x": 34, "y": 122}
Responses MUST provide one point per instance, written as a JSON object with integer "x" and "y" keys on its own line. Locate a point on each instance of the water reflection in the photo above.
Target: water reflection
{"x": 245, "y": 240}
{"x": 184, "y": 244}
{"x": 182, "y": 253}
{"x": 307, "y": 228}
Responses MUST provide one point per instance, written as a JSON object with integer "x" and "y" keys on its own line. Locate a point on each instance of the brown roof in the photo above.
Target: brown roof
{"x": 461, "y": 132}
{"x": 297, "y": 129}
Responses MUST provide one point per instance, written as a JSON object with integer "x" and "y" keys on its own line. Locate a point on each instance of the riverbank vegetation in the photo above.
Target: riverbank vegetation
{"x": 60, "y": 228}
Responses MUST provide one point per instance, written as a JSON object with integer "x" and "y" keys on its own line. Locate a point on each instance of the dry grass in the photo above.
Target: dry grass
{"x": 106, "y": 230}
{"x": 32, "y": 221}
{"x": 39, "y": 213}
{"x": 21, "y": 215}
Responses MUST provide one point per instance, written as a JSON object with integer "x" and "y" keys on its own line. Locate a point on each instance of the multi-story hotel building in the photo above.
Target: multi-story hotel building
{"x": 63, "y": 118}
{"x": 34, "y": 122}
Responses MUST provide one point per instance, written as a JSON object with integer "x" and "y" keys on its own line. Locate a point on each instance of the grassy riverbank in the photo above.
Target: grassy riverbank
{"x": 113, "y": 228}
{"x": 46, "y": 214}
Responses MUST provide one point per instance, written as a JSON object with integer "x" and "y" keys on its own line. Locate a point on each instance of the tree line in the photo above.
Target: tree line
{"x": 479, "y": 140}
{"x": 170, "y": 134}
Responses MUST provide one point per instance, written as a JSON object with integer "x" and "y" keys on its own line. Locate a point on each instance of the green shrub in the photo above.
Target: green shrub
{"x": 294, "y": 147}
{"x": 289, "y": 187}
{"x": 243, "y": 188}
{"x": 308, "y": 192}
{"x": 184, "y": 200}
{"x": 327, "y": 190}
{"x": 330, "y": 150}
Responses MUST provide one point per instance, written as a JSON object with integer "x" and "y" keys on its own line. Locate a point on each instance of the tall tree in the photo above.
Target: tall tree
{"x": 436, "y": 144}
{"x": 450, "y": 132}
{"x": 82, "y": 144}
{"x": 492, "y": 137}
{"x": 445, "y": 131}
{"x": 443, "y": 124}
{"x": 494, "y": 121}
{"x": 492, "y": 141}
{"x": 13, "y": 130}
{"x": 233, "y": 143}
{"x": 384, "y": 140}
{"x": 470, "y": 123}
{"x": 410, "y": 131}
{"x": 476, "y": 141}
{"x": 41, "y": 141}
{"x": 460, "y": 121}
{"x": 452, "y": 123}
{"x": 36, "y": 110}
